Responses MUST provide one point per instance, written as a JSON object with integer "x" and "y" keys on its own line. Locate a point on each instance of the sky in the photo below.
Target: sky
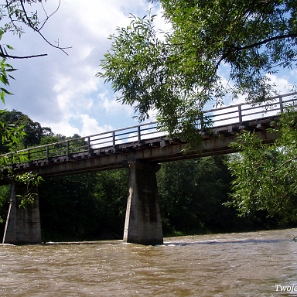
{"x": 61, "y": 91}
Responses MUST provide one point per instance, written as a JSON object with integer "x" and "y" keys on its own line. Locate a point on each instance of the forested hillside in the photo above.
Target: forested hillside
{"x": 92, "y": 206}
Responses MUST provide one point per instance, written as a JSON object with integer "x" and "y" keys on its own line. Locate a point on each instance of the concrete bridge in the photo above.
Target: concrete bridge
{"x": 140, "y": 148}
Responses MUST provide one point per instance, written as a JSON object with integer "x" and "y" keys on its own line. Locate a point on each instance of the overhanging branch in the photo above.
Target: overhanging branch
{"x": 24, "y": 18}
{"x": 6, "y": 56}
{"x": 38, "y": 30}
{"x": 256, "y": 44}
{"x": 231, "y": 49}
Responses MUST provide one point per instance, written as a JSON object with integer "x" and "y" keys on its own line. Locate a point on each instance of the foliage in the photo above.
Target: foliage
{"x": 215, "y": 49}
{"x": 31, "y": 182}
{"x": 31, "y": 132}
{"x": 112, "y": 193}
{"x": 67, "y": 207}
{"x": 265, "y": 176}
{"x": 85, "y": 206}
{"x": 11, "y": 135}
{"x": 17, "y": 131}
{"x": 5, "y": 70}
{"x": 191, "y": 196}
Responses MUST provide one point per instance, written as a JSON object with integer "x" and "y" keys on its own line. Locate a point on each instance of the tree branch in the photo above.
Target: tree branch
{"x": 48, "y": 16}
{"x": 256, "y": 44}
{"x": 6, "y": 56}
{"x": 31, "y": 25}
{"x": 232, "y": 49}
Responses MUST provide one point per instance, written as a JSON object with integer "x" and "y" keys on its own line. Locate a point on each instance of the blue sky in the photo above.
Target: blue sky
{"x": 62, "y": 92}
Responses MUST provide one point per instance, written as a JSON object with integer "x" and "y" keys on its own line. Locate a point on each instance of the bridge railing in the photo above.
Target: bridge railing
{"x": 229, "y": 115}
{"x": 240, "y": 113}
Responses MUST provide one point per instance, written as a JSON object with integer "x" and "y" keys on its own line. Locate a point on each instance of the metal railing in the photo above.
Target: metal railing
{"x": 230, "y": 115}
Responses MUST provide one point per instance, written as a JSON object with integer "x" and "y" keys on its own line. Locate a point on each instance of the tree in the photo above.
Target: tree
{"x": 216, "y": 49}
{"x": 33, "y": 131}
{"x": 68, "y": 209}
{"x": 4, "y": 197}
{"x": 192, "y": 193}
{"x": 84, "y": 206}
{"x": 265, "y": 176}
{"x": 17, "y": 131}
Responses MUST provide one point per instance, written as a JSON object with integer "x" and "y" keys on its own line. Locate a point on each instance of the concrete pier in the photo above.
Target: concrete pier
{"x": 143, "y": 223}
{"x": 23, "y": 224}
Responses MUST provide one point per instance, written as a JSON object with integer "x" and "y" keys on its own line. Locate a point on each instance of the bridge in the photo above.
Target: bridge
{"x": 141, "y": 149}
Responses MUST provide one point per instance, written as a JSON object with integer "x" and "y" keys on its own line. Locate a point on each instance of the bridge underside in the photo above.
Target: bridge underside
{"x": 143, "y": 223}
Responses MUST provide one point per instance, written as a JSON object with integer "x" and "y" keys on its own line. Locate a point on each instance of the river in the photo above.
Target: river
{"x": 238, "y": 264}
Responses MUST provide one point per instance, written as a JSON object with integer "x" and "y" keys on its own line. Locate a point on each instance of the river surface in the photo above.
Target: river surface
{"x": 239, "y": 264}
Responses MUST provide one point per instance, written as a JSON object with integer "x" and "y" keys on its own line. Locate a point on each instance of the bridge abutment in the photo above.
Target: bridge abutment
{"x": 23, "y": 224}
{"x": 143, "y": 223}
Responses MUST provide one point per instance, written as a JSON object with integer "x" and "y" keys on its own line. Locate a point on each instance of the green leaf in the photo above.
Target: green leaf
{"x": 9, "y": 46}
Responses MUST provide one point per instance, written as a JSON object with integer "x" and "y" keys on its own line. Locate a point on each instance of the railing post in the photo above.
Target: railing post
{"x": 201, "y": 121}
{"x": 281, "y": 107}
{"x": 239, "y": 114}
{"x": 47, "y": 152}
{"x": 113, "y": 138}
{"x": 89, "y": 144}
{"x": 139, "y": 133}
{"x": 67, "y": 148}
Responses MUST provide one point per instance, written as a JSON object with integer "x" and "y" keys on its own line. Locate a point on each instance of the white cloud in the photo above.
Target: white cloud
{"x": 90, "y": 126}
{"x": 282, "y": 84}
{"x": 111, "y": 106}
{"x": 62, "y": 127}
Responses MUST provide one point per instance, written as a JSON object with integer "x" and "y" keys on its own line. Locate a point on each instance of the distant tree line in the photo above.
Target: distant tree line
{"x": 91, "y": 206}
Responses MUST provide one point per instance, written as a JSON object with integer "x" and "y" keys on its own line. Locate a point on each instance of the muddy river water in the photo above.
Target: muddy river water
{"x": 239, "y": 264}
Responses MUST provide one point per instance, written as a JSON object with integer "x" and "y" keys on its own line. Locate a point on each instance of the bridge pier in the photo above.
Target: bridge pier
{"x": 143, "y": 223}
{"x": 23, "y": 224}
